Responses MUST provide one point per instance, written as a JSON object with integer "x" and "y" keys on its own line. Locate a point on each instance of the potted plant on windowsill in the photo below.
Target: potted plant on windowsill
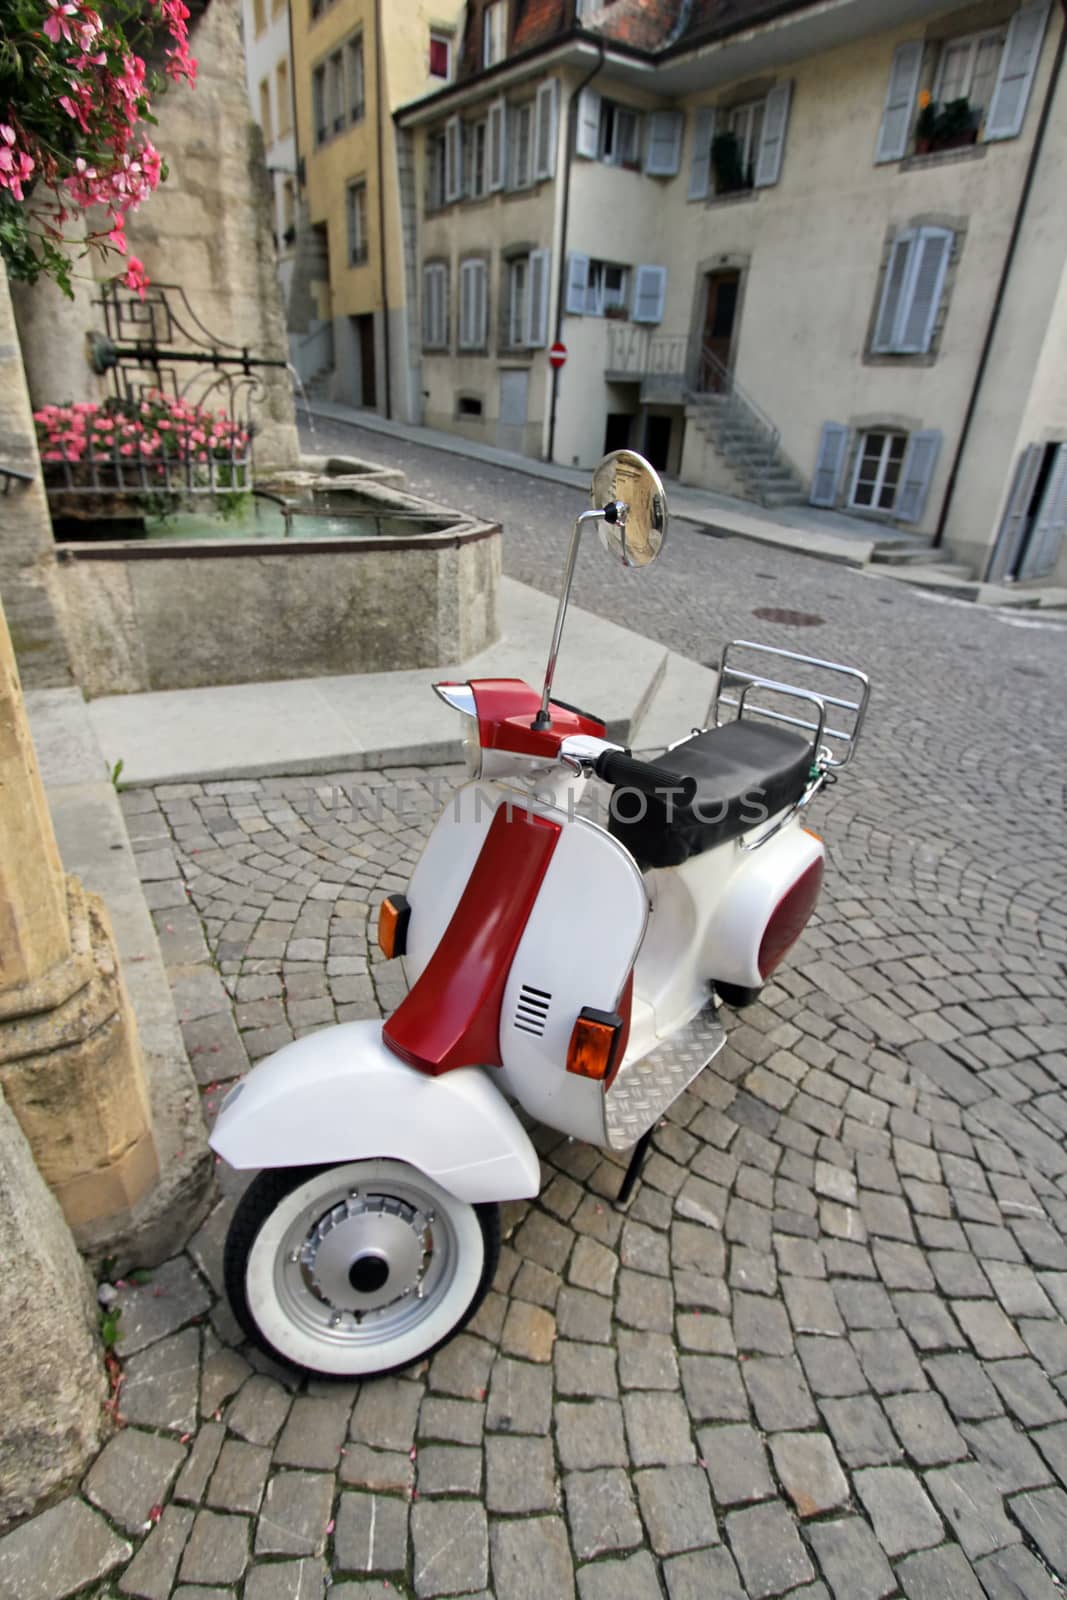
{"x": 615, "y": 313}
{"x": 949, "y": 127}
{"x": 730, "y": 175}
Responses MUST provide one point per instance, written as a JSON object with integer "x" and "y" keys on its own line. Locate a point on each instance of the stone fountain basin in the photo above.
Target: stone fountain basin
{"x": 184, "y": 612}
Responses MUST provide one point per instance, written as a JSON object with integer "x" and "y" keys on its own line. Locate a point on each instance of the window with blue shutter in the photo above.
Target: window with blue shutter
{"x": 587, "y": 132}
{"x": 700, "y": 161}
{"x": 498, "y": 157}
{"x": 650, "y": 291}
{"x": 772, "y": 137}
{"x": 663, "y": 156}
{"x": 537, "y": 302}
{"x": 917, "y": 474}
{"x": 1018, "y": 64}
{"x": 829, "y": 463}
{"x": 546, "y": 116}
{"x": 472, "y": 304}
{"x": 894, "y": 134}
{"x": 453, "y": 159}
{"x": 577, "y": 283}
{"x": 911, "y": 291}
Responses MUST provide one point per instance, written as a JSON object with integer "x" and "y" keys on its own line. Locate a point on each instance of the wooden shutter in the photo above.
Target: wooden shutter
{"x": 916, "y": 473}
{"x": 465, "y": 305}
{"x": 537, "y": 297}
{"x": 896, "y": 278}
{"x": 772, "y": 139}
{"x": 700, "y": 163}
{"x": 587, "y": 134}
{"x": 650, "y": 291}
{"x": 926, "y": 279}
{"x": 895, "y": 131}
{"x": 453, "y": 159}
{"x": 545, "y": 130}
{"x": 1022, "y": 49}
{"x": 498, "y": 149}
{"x": 577, "y": 284}
{"x": 833, "y": 445}
{"x": 1043, "y": 546}
{"x": 664, "y": 154}
{"x": 1012, "y": 528}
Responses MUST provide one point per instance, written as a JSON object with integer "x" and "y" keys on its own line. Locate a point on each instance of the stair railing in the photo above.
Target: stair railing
{"x": 729, "y": 411}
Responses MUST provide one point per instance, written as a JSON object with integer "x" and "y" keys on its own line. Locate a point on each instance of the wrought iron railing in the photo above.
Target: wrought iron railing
{"x": 137, "y": 474}
{"x": 743, "y": 430}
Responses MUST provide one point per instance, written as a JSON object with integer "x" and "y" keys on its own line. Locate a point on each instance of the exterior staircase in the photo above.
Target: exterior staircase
{"x": 743, "y": 435}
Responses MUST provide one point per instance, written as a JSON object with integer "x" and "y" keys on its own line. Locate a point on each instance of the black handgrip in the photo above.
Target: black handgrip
{"x": 622, "y": 771}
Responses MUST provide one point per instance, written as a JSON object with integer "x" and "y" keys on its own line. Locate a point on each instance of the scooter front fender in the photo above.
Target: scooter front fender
{"x": 341, "y": 1095}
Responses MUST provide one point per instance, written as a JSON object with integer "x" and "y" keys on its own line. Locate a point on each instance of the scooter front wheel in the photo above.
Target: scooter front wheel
{"x": 352, "y": 1271}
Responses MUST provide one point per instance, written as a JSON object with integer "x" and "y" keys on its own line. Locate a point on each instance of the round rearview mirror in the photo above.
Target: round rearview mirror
{"x": 634, "y": 525}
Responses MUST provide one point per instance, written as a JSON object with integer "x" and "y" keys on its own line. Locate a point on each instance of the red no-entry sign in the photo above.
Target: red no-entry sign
{"x": 558, "y": 354}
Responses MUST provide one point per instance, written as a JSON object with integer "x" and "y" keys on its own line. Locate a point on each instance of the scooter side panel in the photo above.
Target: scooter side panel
{"x": 341, "y": 1095}
{"x": 444, "y": 868}
{"x": 744, "y": 905}
{"x": 578, "y": 947}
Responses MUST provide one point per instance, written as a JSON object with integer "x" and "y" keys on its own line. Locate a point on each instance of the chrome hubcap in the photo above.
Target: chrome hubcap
{"x": 367, "y": 1253}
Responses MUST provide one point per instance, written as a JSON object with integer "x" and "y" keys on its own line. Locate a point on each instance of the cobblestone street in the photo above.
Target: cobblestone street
{"x": 824, "y": 1350}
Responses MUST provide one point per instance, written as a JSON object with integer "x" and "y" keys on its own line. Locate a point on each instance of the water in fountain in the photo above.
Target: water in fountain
{"x": 298, "y": 384}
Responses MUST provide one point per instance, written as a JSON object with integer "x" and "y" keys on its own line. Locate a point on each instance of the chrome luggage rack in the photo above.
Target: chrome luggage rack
{"x": 832, "y": 746}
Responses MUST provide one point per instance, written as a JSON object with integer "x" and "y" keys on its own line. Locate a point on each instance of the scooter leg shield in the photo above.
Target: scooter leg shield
{"x": 341, "y": 1095}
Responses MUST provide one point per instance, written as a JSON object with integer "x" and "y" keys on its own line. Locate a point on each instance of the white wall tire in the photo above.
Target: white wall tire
{"x": 356, "y": 1270}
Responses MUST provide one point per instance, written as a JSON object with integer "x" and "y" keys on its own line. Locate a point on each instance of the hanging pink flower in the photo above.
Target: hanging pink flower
{"x": 135, "y": 276}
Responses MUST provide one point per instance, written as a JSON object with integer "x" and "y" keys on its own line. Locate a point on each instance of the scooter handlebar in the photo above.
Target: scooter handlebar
{"x": 622, "y": 771}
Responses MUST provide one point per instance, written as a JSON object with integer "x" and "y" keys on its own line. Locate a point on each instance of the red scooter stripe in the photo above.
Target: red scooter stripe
{"x": 451, "y": 1018}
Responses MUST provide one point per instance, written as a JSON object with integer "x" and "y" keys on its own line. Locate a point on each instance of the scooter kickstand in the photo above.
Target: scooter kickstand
{"x": 633, "y": 1171}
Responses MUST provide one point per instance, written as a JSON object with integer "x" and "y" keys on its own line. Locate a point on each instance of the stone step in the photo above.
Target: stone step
{"x": 904, "y": 555}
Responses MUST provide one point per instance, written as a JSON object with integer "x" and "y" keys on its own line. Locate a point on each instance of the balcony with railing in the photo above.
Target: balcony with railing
{"x": 636, "y": 353}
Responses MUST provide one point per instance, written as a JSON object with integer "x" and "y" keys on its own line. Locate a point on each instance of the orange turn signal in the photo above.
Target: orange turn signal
{"x": 394, "y": 914}
{"x": 594, "y": 1037}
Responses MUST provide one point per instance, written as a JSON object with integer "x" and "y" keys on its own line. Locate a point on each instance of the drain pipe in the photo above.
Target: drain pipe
{"x": 379, "y": 82}
{"x": 1002, "y": 282}
{"x": 561, "y": 282}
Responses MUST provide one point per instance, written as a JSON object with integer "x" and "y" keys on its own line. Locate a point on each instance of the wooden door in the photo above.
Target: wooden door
{"x": 720, "y": 316}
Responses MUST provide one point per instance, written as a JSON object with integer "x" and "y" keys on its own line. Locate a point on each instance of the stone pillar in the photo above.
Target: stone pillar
{"x": 52, "y": 1366}
{"x": 70, "y": 1062}
{"x": 28, "y": 572}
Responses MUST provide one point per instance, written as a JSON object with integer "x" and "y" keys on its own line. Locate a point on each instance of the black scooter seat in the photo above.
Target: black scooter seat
{"x": 745, "y": 772}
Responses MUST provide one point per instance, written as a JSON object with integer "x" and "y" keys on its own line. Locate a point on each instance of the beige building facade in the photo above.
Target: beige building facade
{"x": 811, "y": 258}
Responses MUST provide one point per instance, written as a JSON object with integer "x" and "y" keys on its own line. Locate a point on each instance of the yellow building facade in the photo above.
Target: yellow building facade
{"x": 354, "y": 62}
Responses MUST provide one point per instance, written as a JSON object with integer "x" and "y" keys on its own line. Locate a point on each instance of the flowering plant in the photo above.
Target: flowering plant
{"x": 151, "y": 443}
{"x": 75, "y": 90}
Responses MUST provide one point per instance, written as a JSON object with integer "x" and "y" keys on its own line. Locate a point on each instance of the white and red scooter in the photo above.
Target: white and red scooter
{"x": 555, "y": 964}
